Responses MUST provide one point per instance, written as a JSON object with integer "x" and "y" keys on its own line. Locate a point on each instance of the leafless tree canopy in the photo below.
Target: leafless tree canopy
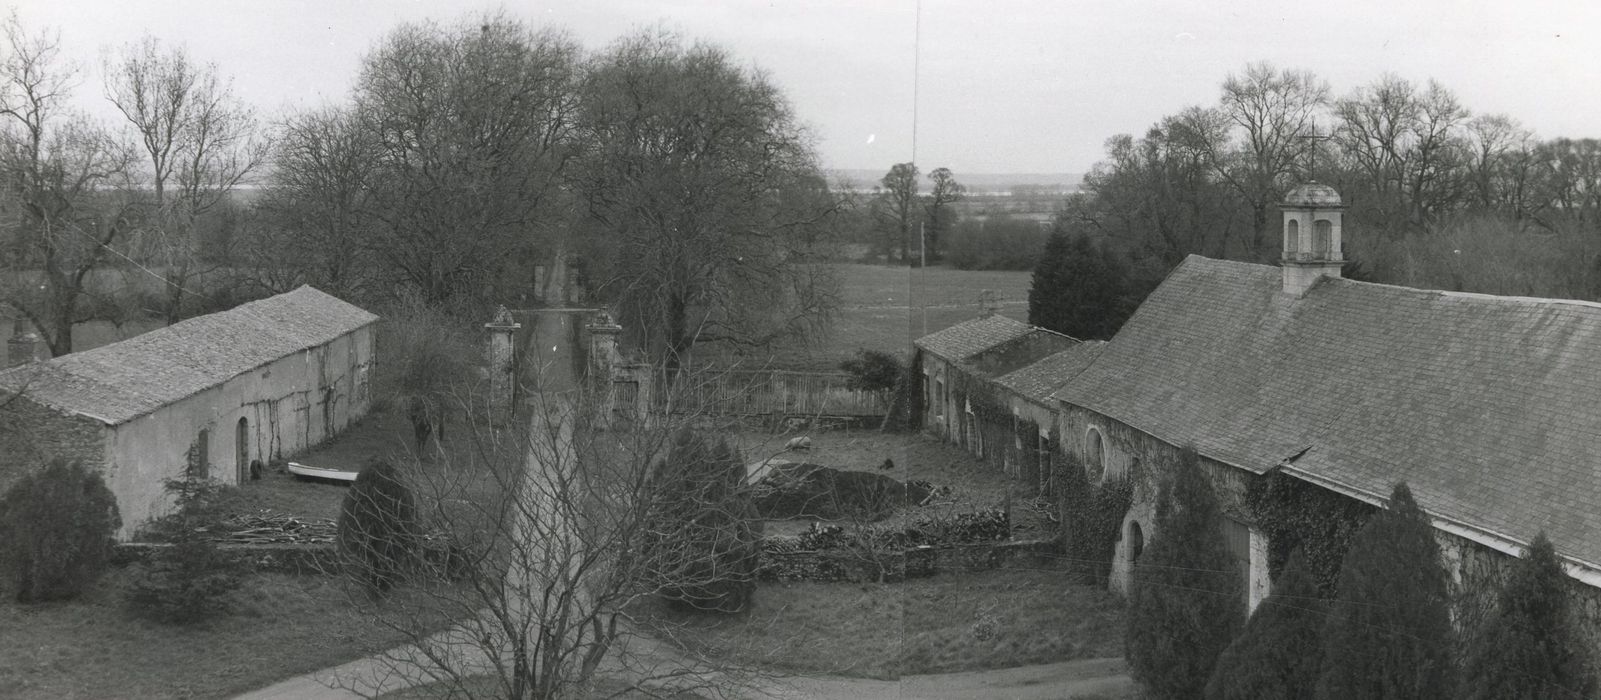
{"x": 704, "y": 198}
{"x": 67, "y": 196}
{"x": 538, "y": 547}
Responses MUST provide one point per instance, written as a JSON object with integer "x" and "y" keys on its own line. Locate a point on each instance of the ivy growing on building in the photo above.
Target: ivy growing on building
{"x": 1092, "y": 515}
{"x": 1299, "y": 515}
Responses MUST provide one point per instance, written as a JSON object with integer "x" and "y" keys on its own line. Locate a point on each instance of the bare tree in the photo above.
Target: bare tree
{"x": 1271, "y": 111}
{"x": 201, "y": 143}
{"x": 897, "y": 198}
{"x": 549, "y": 538}
{"x": 941, "y": 215}
{"x": 316, "y": 222}
{"x": 1501, "y": 163}
{"x": 66, "y": 186}
{"x": 470, "y": 126}
{"x": 705, "y": 205}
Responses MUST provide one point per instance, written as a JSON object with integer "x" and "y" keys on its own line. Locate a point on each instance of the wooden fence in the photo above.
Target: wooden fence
{"x": 776, "y": 393}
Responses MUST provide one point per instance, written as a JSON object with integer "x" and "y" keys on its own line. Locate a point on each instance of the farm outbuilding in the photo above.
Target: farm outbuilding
{"x": 205, "y": 397}
{"x": 977, "y": 392}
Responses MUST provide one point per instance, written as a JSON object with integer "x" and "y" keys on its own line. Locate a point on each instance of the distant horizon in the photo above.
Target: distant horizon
{"x": 1023, "y": 86}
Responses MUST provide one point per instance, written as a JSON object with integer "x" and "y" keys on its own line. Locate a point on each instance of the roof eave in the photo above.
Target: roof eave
{"x": 1580, "y": 569}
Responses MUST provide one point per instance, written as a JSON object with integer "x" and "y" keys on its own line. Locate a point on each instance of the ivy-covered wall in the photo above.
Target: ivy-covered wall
{"x": 1130, "y": 454}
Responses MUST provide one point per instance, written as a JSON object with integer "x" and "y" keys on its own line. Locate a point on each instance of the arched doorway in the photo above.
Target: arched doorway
{"x": 242, "y": 450}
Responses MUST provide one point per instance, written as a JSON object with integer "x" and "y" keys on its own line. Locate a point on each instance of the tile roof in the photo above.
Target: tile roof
{"x": 119, "y": 382}
{"x": 1038, "y": 381}
{"x": 1486, "y": 406}
{"x": 970, "y": 338}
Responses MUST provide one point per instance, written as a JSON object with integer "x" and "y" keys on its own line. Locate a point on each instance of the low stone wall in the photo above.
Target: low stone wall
{"x": 858, "y": 566}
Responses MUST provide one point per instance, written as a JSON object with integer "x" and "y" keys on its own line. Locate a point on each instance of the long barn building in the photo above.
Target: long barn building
{"x": 206, "y": 397}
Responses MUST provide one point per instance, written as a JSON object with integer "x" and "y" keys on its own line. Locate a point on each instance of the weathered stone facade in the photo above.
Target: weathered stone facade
{"x": 1110, "y": 449}
{"x": 205, "y": 397}
{"x": 31, "y": 435}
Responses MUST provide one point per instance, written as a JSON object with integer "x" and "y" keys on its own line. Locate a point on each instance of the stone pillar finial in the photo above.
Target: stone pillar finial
{"x": 502, "y": 331}
{"x": 988, "y": 303}
{"x": 25, "y": 346}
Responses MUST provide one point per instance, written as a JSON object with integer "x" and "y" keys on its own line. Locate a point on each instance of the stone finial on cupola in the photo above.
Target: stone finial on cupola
{"x": 1311, "y": 236}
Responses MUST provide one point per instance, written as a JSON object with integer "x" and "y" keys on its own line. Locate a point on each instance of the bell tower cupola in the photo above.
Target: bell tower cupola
{"x": 1311, "y": 236}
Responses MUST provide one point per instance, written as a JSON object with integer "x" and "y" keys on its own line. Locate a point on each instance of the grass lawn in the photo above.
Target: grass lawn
{"x": 282, "y": 626}
{"x": 947, "y": 623}
{"x": 883, "y": 308}
{"x": 384, "y": 433}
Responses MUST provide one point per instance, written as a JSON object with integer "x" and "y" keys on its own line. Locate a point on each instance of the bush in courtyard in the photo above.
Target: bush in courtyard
{"x": 184, "y": 583}
{"x": 377, "y": 531}
{"x": 703, "y": 542}
{"x": 872, "y": 370}
{"x": 1389, "y": 635}
{"x": 189, "y": 580}
{"x": 56, "y": 529}
{"x": 1277, "y": 655}
{"x": 1186, "y": 603}
{"x": 1530, "y": 648}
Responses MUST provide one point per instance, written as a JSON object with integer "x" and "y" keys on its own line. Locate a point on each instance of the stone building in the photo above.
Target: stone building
{"x": 1485, "y": 406}
{"x": 206, "y": 396}
{"x": 982, "y": 389}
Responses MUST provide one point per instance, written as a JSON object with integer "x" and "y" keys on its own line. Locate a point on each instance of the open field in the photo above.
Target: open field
{"x": 882, "y": 307}
{"x": 953, "y": 622}
{"x": 283, "y": 626}
{"x": 886, "y": 307}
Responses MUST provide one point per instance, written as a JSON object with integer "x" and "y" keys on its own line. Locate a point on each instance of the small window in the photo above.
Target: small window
{"x": 1292, "y": 237}
{"x": 200, "y": 456}
{"x": 1323, "y": 237}
{"x": 1095, "y": 456}
{"x": 1136, "y": 541}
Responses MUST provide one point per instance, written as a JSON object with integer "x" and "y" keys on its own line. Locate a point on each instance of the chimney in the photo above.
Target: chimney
{"x": 988, "y": 305}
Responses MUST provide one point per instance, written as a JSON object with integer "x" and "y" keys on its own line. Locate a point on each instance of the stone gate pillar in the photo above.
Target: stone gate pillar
{"x": 502, "y": 331}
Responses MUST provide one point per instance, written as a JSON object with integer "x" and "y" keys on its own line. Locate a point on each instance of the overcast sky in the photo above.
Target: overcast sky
{"x": 1005, "y": 86}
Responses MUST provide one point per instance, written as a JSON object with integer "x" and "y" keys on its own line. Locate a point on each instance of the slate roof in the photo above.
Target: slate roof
{"x": 122, "y": 381}
{"x": 969, "y": 338}
{"x": 1488, "y": 407}
{"x": 1038, "y": 381}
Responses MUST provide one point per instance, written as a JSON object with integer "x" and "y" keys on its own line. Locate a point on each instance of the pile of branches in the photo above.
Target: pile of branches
{"x": 963, "y": 528}
{"x": 267, "y": 527}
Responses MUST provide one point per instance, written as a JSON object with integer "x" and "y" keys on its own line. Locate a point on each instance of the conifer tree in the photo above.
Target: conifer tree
{"x": 378, "y": 531}
{"x": 1530, "y": 648}
{"x": 1079, "y": 288}
{"x": 56, "y": 528}
{"x": 704, "y": 540}
{"x": 1277, "y": 655}
{"x": 1186, "y": 601}
{"x": 1389, "y": 631}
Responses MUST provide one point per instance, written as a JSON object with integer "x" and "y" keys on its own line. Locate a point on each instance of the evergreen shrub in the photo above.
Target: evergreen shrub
{"x": 56, "y": 530}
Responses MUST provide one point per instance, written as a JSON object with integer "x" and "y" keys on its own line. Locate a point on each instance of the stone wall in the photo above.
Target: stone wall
{"x": 1477, "y": 573}
{"x": 31, "y": 435}
{"x": 1135, "y": 455}
{"x": 850, "y": 565}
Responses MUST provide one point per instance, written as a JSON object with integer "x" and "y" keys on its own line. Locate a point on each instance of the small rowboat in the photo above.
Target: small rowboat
{"x": 306, "y": 471}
